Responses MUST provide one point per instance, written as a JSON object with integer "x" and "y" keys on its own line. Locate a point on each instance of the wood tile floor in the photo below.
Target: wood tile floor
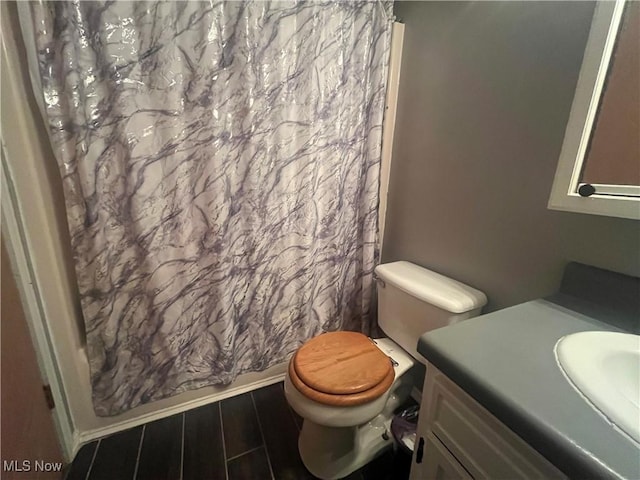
{"x": 251, "y": 436}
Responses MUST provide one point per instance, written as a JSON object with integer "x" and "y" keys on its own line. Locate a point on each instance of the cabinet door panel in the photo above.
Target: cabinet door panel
{"x": 440, "y": 464}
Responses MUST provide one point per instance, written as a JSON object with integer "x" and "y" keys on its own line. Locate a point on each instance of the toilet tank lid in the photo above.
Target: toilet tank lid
{"x": 431, "y": 287}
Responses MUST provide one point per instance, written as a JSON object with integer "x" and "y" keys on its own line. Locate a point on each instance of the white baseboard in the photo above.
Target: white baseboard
{"x": 80, "y": 438}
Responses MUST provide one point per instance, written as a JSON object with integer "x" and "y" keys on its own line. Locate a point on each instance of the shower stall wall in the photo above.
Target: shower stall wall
{"x": 35, "y": 227}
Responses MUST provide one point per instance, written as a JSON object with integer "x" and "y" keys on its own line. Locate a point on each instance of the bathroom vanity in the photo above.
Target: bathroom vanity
{"x": 496, "y": 404}
{"x": 463, "y": 440}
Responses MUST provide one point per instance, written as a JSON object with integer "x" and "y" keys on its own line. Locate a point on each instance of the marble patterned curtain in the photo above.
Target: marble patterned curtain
{"x": 220, "y": 165}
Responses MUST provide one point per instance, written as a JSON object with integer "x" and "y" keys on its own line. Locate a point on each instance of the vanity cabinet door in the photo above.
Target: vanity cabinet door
{"x": 440, "y": 464}
{"x": 431, "y": 459}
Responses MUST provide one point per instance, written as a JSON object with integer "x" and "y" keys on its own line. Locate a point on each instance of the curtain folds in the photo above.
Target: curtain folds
{"x": 220, "y": 166}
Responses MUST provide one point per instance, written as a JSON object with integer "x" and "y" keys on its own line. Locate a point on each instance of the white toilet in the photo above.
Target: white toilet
{"x": 346, "y": 386}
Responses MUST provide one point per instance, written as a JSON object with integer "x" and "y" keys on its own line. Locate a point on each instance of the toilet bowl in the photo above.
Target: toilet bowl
{"x": 345, "y": 410}
{"x": 346, "y": 386}
{"x": 338, "y": 439}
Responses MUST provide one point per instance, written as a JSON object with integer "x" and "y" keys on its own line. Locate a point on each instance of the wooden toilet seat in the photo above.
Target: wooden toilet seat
{"x": 341, "y": 369}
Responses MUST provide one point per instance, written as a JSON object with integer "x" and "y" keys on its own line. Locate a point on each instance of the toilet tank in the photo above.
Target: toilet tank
{"x": 413, "y": 300}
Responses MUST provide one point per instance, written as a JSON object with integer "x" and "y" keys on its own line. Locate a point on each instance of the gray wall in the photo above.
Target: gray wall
{"x": 485, "y": 94}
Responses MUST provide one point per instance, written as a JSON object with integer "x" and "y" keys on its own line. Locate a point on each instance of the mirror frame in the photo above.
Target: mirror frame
{"x": 593, "y": 73}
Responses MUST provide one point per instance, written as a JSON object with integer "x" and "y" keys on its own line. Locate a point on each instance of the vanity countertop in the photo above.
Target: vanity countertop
{"x": 506, "y": 361}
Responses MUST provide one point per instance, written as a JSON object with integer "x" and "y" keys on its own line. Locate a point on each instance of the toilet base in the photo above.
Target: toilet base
{"x": 331, "y": 453}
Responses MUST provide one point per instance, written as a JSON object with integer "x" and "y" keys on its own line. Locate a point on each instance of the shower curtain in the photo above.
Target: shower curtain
{"x": 220, "y": 167}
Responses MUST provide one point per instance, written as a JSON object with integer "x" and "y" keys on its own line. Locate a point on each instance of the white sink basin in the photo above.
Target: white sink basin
{"x": 605, "y": 368}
